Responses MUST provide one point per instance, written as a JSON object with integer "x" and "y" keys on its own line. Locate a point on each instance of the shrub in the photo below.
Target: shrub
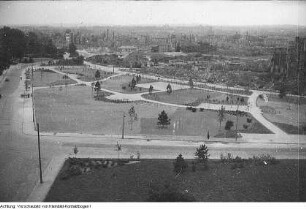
{"x": 229, "y": 124}
{"x": 245, "y": 126}
{"x": 249, "y": 120}
{"x": 194, "y": 166}
{"x": 201, "y": 109}
{"x": 168, "y": 193}
{"x": 264, "y": 160}
{"x": 179, "y": 164}
{"x": 193, "y": 109}
{"x": 123, "y": 87}
{"x": 237, "y": 165}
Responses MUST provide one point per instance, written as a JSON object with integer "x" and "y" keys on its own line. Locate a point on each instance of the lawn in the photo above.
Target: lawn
{"x": 187, "y": 123}
{"x": 121, "y": 84}
{"x": 288, "y": 116}
{"x": 281, "y": 182}
{"x": 85, "y": 73}
{"x": 45, "y": 77}
{"x": 73, "y": 109}
{"x": 194, "y": 97}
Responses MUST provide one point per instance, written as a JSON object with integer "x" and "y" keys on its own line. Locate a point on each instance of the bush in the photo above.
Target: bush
{"x": 237, "y": 165}
{"x": 194, "y": 166}
{"x": 264, "y": 160}
{"x": 179, "y": 164}
{"x": 194, "y": 109}
{"x": 245, "y": 126}
{"x": 168, "y": 193}
{"x": 229, "y": 124}
{"x": 249, "y": 120}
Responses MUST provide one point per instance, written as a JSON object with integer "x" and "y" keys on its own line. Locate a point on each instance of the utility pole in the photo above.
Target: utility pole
{"x": 123, "y": 126}
{"x": 33, "y": 104}
{"x": 38, "y": 137}
{"x": 237, "y": 122}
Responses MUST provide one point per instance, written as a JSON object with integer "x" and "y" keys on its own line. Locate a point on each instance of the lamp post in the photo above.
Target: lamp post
{"x": 123, "y": 126}
{"x": 237, "y": 122}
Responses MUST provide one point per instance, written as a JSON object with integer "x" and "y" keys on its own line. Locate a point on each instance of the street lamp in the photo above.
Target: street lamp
{"x": 123, "y": 126}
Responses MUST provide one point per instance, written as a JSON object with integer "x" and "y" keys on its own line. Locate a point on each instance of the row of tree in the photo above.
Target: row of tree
{"x": 15, "y": 44}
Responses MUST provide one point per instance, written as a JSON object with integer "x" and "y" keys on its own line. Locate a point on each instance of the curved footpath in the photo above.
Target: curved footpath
{"x": 251, "y": 108}
{"x": 19, "y": 147}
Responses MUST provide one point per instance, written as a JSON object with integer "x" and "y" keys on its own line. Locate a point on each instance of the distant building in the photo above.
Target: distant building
{"x": 69, "y": 37}
{"x": 127, "y": 49}
{"x": 291, "y": 59}
{"x": 161, "y": 48}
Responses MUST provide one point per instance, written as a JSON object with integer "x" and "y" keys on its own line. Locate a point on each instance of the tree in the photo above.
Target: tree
{"x": 163, "y": 119}
{"x": 133, "y": 116}
{"x": 208, "y": 136}
{"x": 169, "y": 89}
{"x": 179, "y": 164}
{"x": 150, "y": 89}
{"x": 75, "y": 150}
{"x": 190, "y": 83}
{"x": 118, "y": 148}
{"x": 228, "y": 125}
{"x": 202, "y": 154}
{"x": 221, "y": 115}
{"x": 133, "y": 83}
{"x": 97, "y": 75}
{"x": 97, "y": 87}
{"x": 72, "y": 49}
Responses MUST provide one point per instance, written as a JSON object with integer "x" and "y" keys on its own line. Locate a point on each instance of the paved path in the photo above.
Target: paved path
{"x": 257, "y": 114}
{"x": 251, "y": 108}
{"x": 20, "y": 138}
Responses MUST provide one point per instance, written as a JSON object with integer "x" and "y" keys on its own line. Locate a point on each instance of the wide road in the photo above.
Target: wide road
{"x": 19, "y": 154}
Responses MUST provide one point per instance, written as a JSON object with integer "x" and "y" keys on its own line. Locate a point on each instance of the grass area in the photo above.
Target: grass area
{"x": 45, "y": 77}
{"x": 281, "y": 182}
{"x": 86, "y": 74}
{"x": 287, "y": 99}
{"x": 188, "y": 123}
{"x": 194, "y": 97}
{"x": 73, "y": 109}
{"x": 290, "y": 129}
{"x": 285, "y": 115}
{"x": 121, "y": 84}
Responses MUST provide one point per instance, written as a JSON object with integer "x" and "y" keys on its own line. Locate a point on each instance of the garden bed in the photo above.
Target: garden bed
{"x": 234, "y": 180}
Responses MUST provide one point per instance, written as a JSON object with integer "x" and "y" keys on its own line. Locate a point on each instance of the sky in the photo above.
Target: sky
{"x": 84, "y": 13}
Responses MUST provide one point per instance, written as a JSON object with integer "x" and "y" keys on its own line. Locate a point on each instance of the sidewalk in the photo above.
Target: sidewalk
{"x": 49, "y": 175}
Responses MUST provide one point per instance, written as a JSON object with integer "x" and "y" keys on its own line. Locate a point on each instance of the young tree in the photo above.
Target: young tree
{"x": 75, "y": 150}
{"x": 179, "y": 164}
{"x": 133, "y": 83}
{"x": 97, "y": 87}
{"x": 190, "y": 83}
{"x": 133, "y": 116}
{"x": 208, "y": 136}
{"x": 221, "y": 115}
{"x": 118, "y": 148}
{"x": 169, "y": 89}
{"x": 202, "y": 154}
{"x": 150, "y": 89}
{"x": 228, "y": 125}
{"x": 97, "y": 75}
{"x": 163, "y": 119}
